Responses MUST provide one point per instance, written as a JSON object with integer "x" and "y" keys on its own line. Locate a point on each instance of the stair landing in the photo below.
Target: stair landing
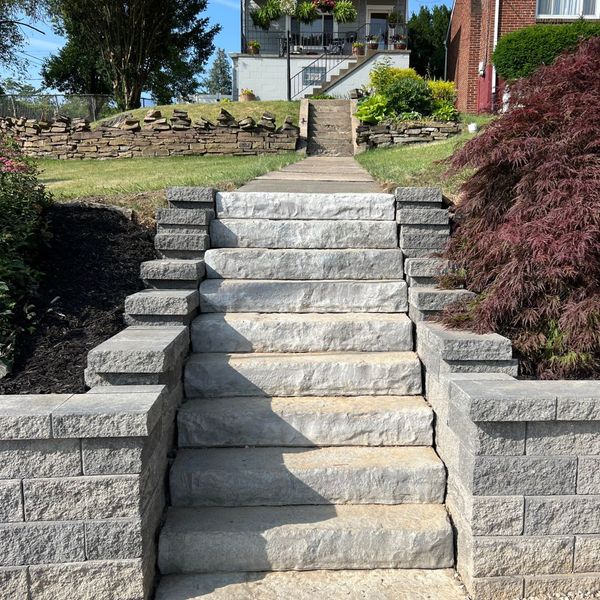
{"x": 317, "y": 174}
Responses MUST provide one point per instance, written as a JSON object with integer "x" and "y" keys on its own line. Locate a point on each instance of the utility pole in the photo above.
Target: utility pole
{"x": 289, "y": 66}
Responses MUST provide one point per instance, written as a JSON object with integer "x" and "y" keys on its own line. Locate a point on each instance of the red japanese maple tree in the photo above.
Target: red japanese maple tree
{"x": 528, "y": 234}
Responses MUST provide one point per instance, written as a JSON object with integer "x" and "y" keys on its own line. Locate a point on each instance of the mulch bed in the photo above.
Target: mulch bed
{"x": 92, "y": 262}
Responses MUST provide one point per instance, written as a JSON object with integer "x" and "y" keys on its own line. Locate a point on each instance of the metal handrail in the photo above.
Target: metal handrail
{"x": 323, "y": 65}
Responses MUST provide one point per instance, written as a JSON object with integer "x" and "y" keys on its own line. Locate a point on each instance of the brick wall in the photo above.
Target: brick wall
{"x": 155, "y": 136}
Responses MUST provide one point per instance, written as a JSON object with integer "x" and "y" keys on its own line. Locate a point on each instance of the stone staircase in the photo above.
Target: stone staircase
{"x": 305, "y": 465}
{"x": 329, "y": 128}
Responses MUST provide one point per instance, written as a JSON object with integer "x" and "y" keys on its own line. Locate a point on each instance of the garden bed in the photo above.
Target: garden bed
{"x": 91, "y": 264}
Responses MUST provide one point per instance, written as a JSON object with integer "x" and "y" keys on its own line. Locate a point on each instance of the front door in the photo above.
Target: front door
{"x": 378, "y": 25}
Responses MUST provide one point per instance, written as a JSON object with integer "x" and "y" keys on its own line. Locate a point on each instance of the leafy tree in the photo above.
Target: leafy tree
{"x": 219, "y": 76}
{"x": 426, "y": 34}
{"x": 11, "y": 30}
{"x": 155, "y": 45}
{"x": 78, "y": 67}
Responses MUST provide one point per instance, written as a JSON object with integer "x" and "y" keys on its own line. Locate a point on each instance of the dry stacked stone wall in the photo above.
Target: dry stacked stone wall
{"x": 64, "y": 138}
{"x": 385, "y": 135}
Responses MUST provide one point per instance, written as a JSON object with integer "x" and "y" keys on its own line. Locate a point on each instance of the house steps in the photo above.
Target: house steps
{"x": 329, "y": 128}
{"x": 305, "y": 464}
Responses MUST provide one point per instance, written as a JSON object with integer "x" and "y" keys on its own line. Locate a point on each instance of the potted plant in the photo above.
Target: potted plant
{"x": 253, "y": 47}
{"x": 372, "y": 42}
{"x": 399, "y": 42}
{"x": 358, "y": 49}
{"x": 306, "y": 12}
{"x": 288, "y": 7}
{"x": 344, "y": 12}
{"x": 325, "y": 6}
{"x": 247, "y": 95}
{"x": 265, "y": 15}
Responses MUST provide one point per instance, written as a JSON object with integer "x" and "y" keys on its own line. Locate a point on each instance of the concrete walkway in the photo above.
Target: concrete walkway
{"x": 325, "y": 174}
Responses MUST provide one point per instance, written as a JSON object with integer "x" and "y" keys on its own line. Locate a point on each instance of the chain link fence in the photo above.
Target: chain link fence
{"x": 48, "y": 106}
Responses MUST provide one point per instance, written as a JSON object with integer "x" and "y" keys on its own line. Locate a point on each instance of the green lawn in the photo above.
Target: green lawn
{"x": 280, "y": 108}
{"x": 139, "y": 183}
{"x": 419, "y": 165}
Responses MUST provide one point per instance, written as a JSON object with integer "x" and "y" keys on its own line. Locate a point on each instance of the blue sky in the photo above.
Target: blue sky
{"x": 224, "y": 12}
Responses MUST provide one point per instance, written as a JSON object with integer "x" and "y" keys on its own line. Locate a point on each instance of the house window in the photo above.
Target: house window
{"x": 313, "y": 76}
{"x": 568, "y": 9}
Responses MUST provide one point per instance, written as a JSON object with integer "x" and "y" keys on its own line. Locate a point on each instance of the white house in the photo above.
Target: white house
{"x": 322, "y": 57}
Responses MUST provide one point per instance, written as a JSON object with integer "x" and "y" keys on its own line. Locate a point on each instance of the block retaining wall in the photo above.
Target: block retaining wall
{"x": 523, "y": 457}
{"x": 384, "y": 135}
{"x": 65, "y": 139}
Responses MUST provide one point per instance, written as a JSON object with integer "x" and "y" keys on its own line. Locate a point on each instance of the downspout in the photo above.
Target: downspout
{"x": 495, "y": 42}
{"x": 447, "y": 41}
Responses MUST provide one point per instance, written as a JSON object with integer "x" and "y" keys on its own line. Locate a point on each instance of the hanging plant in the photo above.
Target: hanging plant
{"x": 344, "y": 12}
{"x": 288, "y": 7}
{"x": 266, "y": 14}
{"x": 325, "y": 6}
{"x": 306, "y": 12}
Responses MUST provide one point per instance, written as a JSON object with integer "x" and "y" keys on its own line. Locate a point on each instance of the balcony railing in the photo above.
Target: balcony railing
{"x": 317, "y": 43}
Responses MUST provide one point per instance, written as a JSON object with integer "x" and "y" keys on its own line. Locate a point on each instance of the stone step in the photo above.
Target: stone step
{"x": 330, "y": 137}
{"x": 328, "y": 374}
{"x": 314, "y": 332}
{"x": 286, "y": 206}
{"x": 306, "y": 421}
{"x": 297, "y": 296}
{"x": 161, "y": 307}
{"x": 325, "y": 126}
{"x": 262, "y": 233}
{"x": 377, "y": 584}
{"x": 290, "y": 476}
{"x": 407, "y": 536}
{"x": 172, "y": 274}
{"x": 299, "y": 264}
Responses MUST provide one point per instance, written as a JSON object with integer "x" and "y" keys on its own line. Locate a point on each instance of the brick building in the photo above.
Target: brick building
{"x": 475, "y": 27}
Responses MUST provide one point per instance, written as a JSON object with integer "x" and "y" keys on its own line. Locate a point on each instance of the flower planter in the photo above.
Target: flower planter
{"x": 400, "y": 46}
{"x": 373, "y": 45}
{"x": 358, "y": 51}
{"x": 247, "y": 97}
{"x": 253, "y": 51}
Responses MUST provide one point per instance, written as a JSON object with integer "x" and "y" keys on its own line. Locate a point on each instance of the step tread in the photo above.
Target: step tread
{"x": 303, "y": 296}
{"x": 301, "y": 332}
{"x": 305, "y": 538}
{"x": 377, "y": 584}
{"x": 304, "y": 264}
{"x": 306, "y": 421}
{"x": 288, "y": 476}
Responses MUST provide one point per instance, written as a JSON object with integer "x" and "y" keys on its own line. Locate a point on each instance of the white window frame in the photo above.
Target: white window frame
{"x": 579, "y": 14}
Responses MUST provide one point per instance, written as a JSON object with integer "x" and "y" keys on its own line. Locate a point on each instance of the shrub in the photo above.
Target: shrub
{"x": 519, "y": 53}
{"x": 22, "y": 201}
{"x": 528, "y": 235}
{"x": 445, "y": 111}
{"x": 383, "y": 75}
{"x": 373, "y": 109}
{"x": 442, "y": 91}
{"x": 408, "y": 94}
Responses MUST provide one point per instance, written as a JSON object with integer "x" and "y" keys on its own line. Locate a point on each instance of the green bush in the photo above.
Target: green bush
{"x": 520, "y": 53}
{"x": 383, "y": 75}
{"x": 373, "y": 109}
{"x": 407, "y": 95}
{"x": 22, "y": 201}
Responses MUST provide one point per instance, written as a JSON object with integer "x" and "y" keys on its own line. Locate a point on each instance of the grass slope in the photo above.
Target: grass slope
{"x": 139, "y": 183}
{"x": 420, "y": 165}
{"x": 240, "y": 110}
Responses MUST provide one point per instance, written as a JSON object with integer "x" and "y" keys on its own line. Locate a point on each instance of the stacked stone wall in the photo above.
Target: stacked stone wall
{"x": 155, "y": 136}
{"x": 386, "y": 135}
{"x": 523, "y": 457}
